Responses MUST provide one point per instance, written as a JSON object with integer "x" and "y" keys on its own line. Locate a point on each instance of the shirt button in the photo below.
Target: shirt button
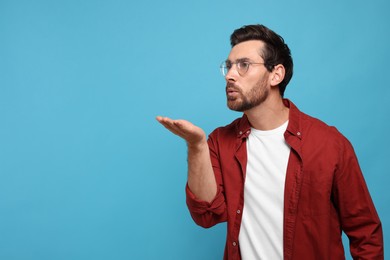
{"x": 234, "y": 243}
{"x": 299, "y": 133}
{"x": 238, "y": 211}
{"x": 240, "y": 133}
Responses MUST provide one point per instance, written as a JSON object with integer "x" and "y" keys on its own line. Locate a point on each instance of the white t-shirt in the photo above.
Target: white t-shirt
{"x": 261, "y": 233}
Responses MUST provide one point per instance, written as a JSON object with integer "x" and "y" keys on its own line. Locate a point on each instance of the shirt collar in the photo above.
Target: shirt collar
{"x": 294, "y": 120}
{"x": 294, "y": 126}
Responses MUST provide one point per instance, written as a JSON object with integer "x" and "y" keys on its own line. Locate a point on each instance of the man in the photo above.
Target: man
{"x": 286, "y": 183}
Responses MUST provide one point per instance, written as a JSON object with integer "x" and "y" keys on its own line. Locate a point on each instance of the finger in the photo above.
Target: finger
{"x": 172, "y": 126}
{"x": 164, "y": 121}
{"x": 170, "y": 123}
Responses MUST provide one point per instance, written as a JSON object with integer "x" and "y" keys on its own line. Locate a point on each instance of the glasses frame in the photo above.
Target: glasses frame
{"x": 241, "y": 70}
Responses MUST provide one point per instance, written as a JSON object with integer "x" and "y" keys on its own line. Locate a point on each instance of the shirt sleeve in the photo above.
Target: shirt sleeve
{"x": 358, "y": 216}
{"x": 208, "y": 214}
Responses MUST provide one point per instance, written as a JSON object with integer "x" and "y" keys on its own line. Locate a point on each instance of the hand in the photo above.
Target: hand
{"x": 192, "y": 134}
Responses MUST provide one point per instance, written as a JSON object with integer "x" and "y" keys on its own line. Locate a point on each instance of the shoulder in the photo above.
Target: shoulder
{"x": 317, "y": 131}
{"x": 313, "y": 131}
{"x": 313, "y": 124}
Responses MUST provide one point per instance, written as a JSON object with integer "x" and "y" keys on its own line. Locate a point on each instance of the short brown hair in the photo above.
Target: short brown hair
{"x": 275, "y": 52}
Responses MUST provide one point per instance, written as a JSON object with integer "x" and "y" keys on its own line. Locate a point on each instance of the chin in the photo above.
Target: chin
{"x": 234, "y": 106}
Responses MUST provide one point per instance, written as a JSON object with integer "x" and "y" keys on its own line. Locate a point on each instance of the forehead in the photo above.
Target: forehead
{"x": 248, "y": 49}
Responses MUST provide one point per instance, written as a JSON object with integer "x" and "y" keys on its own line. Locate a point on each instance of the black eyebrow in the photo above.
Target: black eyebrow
{"x": 238, "y": 60}
{"x": 243, "y": 59}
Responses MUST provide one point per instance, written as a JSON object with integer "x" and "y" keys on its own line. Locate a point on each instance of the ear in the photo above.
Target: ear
{"x": 277, "y": 75}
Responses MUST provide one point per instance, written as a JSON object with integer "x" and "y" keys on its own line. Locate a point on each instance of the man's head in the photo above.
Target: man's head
{"x": 274, "y": 51}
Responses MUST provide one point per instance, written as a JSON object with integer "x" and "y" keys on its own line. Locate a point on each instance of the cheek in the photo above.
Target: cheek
{"x": 259, "y": 77}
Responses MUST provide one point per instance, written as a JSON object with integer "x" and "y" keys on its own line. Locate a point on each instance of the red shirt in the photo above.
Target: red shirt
{"x": 325, "y": 192}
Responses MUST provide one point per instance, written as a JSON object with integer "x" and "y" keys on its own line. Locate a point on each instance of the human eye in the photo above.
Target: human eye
{"x": 228, "y": 65}
{"x": 244, "y": 65}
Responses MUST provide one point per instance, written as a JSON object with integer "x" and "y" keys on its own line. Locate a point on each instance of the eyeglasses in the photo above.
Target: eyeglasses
{"x": 242, "y": 66}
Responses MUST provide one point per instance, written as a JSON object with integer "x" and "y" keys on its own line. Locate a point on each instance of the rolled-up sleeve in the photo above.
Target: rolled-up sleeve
{"x": 206, "y": 214}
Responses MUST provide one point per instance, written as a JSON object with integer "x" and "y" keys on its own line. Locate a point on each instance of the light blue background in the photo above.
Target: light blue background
{"x": 85, "y": 170}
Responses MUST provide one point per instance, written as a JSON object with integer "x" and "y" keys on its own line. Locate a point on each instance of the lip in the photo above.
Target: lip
{"x": 231, "y": 91}
{"x": 232, "y": 94}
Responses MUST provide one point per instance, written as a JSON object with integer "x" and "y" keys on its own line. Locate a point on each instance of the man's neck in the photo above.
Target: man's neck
{"x": 269, "y": 115}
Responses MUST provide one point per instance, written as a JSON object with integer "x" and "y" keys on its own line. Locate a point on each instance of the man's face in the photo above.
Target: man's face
{"x": 250, "y": 89}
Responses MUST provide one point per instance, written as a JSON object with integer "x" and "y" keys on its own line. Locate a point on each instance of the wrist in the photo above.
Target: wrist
{"x": 197, "y": 146}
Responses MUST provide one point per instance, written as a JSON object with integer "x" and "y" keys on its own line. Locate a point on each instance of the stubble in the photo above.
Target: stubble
{"x": 245, "y": 101}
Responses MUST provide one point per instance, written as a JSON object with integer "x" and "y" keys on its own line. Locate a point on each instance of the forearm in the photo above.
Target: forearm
{"x": 201, "y": 179}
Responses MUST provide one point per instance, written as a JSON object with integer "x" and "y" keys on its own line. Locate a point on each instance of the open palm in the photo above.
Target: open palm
{"x": 191, "y": 133}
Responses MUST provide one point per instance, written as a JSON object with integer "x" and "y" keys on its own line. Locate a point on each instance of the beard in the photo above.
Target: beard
{"x": 256, "y": 95}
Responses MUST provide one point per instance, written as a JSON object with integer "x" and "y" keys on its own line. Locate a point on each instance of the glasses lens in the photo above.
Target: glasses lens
{"x": 242, "y": 67}
{"x": 224, "y": 69}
